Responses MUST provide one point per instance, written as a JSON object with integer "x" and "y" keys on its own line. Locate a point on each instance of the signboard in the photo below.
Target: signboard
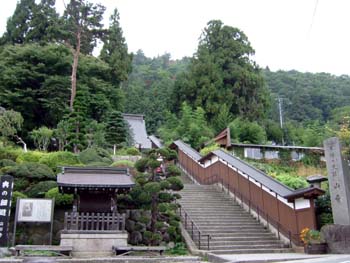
{"x": 6, "y": 188}
{"x": 35, "y": 210}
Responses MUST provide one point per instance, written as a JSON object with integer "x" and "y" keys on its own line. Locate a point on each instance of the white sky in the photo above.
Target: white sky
{"x": 279, "y": 30}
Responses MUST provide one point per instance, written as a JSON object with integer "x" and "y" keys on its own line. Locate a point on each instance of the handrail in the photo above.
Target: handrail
{"x": 191, "y": 227}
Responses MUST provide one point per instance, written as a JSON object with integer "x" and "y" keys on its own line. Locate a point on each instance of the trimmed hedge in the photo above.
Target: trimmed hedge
{"x": 6, "y": 162}
{"x": 39, "y": 189}
{"x": 10, "y": 153}
{"x": 95, "y": 154}
{"x": 30, "y": 157}
{"x": 60, "y": 199}
{"x": 32, "y": 170}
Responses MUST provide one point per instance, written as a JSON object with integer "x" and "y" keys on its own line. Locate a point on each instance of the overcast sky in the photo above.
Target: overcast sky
{"x": 280, "y": 31}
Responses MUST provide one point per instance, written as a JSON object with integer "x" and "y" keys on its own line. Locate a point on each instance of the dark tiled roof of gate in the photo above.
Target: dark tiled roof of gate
{"x": 254, "y": 173}
{"x": 103, "y": 177}
{"x": 187, "y": 149}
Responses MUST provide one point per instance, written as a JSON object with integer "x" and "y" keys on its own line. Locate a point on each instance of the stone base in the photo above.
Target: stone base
{"x": 337, "y": 238}
{"x": 93, "y": 244}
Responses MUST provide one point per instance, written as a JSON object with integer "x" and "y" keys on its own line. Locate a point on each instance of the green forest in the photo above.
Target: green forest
{"x": 52, "y": 86}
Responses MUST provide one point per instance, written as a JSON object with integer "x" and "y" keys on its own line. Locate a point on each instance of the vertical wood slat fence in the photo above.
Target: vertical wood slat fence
{"x": 94, "y": 221}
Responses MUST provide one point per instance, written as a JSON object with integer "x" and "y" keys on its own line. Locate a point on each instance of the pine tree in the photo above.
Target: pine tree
{"x": 82, "y": 28}
{"x": 116, "y": 129}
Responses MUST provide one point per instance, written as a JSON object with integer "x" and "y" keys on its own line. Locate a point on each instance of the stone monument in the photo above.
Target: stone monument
{"x": 339, "y": 181}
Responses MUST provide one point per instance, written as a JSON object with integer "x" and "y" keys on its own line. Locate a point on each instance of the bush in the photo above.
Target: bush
{"x": 60, "y": 199}
{"x": 123, "y": 163}
{"x": 95, "y": 154}
{"x": 141, "y": 165}
{"x": 10, "y": 153}
{"x": 209, "y": 149}
{"x": 294, "y": 182}
{"x": 97, "y": 164}
{"x": 39, "y": 189}
{"x": 173, "y": 170}
{"x": 21, "y": 184}
{"x": 15, "y": 196}
{"x": 30, "y": 157}
{"x": 6, "y": 162}
{"x": 55, "y": 159}
{"x": 175, "y": 183}
{"x": 132, "y": 151}
{"x": 32, "y": 170}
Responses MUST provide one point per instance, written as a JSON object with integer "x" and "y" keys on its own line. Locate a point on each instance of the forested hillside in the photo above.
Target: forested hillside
{"x": 308, "y": 96}
{"x": 149, "y": 86}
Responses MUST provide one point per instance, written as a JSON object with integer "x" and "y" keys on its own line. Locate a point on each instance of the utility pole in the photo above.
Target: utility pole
{"x": 280, "y": 109}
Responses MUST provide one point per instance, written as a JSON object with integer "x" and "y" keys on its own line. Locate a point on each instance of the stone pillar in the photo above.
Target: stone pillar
{"x": 339, "y": 181}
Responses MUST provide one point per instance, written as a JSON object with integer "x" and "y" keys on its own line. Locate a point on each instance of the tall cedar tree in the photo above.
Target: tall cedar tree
{"x": 82, "y": 28}
{"x": 32, "y": 22}
{"x": 221, "y": 73}
{"x": 115, "y": 51}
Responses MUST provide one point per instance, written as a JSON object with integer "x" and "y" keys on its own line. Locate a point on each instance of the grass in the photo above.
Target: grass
{"x": 178, "y": 250}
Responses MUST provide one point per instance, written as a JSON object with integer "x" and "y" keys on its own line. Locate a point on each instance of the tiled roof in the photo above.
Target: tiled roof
{"x": 156, "y": 141}
{"x": 253, "y": 173}
{"x": 138, "y": 130}
{"x": 93, "y": 177}
{"x": 187, "y": 149}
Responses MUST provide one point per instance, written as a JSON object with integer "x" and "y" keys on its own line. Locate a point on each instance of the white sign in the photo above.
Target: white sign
{"x": 35, "y": 210}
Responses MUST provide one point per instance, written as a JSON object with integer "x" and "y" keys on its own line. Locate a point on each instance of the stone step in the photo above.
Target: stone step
{"x": 277, "y": 243}
{"x": 251, "y": 251}
{"x": 236, "y": 231}
{"x": 238, "y": 234}
{"x": 255, "y": 238}
{"x": 247, "y": 246}
{"x": 231, "y": 228}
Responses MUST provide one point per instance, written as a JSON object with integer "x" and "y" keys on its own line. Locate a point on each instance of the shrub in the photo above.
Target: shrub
{"x": 209, "y": 149}
{"x": 21, "y": 184}
{"x": 55, "y": 159}
{"x": 294, "y": 182}
{"x": 95, "y": 154}
{"x": 60, "y": 199}
{"x": 173, "y": 170}
{"x": 39, "y": 189}
{"x": 141, "y": 165}
{"x": 123, "y": 163}
{"x": 15, "y": 196}
{"x": 32, "y": 170}
{"x": 132, "y": 151}
{"x": 175, "y": 183}
{"x": 97, "y": 164}
{"x": 6, "y": 162}
{"x": 30, "y": 157}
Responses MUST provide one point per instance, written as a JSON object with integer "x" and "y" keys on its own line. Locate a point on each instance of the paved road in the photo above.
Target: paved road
{"x": 326, "y": 259}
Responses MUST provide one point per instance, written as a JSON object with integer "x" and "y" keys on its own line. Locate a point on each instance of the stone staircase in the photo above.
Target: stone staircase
{"x": 232, "y": 229}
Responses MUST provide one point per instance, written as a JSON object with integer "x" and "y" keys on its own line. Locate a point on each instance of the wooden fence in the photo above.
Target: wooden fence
{"x": 94, "y": 221}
